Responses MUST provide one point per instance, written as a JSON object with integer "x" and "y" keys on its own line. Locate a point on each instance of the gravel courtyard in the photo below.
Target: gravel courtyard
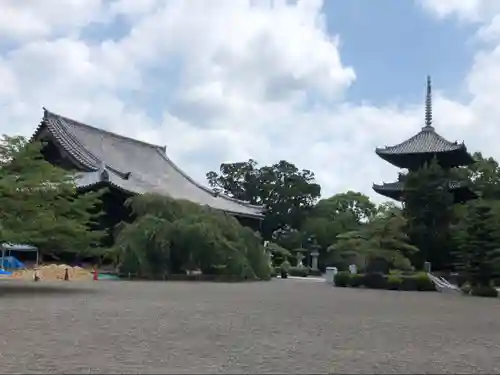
{"x": 283, "y": 326}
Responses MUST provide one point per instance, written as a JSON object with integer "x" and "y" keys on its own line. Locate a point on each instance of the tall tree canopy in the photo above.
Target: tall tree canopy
{"x": 286, "y": 191}
{"x": 428, "y": 208}
{"x": 381, "y": 238}
{"x": 485, "y": 177}
{"x": 39, "y": 204}
{"x": 338, "y": 214}
{"x": 478, "y": 243}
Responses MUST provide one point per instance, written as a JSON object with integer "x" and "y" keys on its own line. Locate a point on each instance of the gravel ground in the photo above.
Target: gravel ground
{"x": 284, "y": 326}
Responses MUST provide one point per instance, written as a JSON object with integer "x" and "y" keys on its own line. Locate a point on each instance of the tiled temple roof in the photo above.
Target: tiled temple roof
{"x": 425, "y": 141}
{"x": 133, "y": 166}
{"x": 394, "y": 190}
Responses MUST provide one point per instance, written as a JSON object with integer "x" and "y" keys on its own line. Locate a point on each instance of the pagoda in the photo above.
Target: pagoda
{"x": 421, "y": 149}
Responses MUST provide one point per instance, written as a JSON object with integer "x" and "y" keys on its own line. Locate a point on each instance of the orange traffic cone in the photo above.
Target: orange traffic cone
{"x": 96, "y": 275}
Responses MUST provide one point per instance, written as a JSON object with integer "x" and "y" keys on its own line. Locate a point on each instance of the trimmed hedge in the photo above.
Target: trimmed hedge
{"x": 355, "y": 281}
{"x": 315, "y": 272}
{"x": 479, "y": 290}
{"x": 341, "y": 279}
{"x": 414, "y": 282}
{"x": 484, "y": 291}
{"x": 299, "y": 271}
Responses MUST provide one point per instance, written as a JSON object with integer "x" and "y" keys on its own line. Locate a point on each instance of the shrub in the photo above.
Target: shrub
{"x": 424, "y": 283}
{"x": 484, "y": 291}
{"x": 375, "y": 281}
{"x": 394, "y": 282}
{"x": 396, "y": 272}
{"x": 466, "y": 288}
{"x": 355, "y": 280}
{"x": 408, "y": 283}
{"x": 341, "y": 279}
{"x": 315, "y": 272}
{"x": 273, "y": 272}
{"x": 298, "y": 271}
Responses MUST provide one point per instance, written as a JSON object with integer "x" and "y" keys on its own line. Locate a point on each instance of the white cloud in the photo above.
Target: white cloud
{"x": 463, "y": 10}
{"x": 28, "y": 19}
{"x": 264, "y": 81}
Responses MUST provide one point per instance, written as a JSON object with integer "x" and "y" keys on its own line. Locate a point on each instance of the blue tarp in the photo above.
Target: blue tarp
{"x": 3, "y": 272}
{"x": 107, "y": 276}
{"x": 12, "y": 263}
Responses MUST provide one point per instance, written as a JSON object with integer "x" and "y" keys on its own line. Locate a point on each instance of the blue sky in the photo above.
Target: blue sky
{"x": 394, "y": 44}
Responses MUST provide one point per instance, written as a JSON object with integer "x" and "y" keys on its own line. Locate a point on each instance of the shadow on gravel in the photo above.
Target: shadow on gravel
{"x": 24, "y": 290}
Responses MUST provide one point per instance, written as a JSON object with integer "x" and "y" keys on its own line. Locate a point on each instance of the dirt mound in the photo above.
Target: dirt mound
{"x": 53, "y": 272}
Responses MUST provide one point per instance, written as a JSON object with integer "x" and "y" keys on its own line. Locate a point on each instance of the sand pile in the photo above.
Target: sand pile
{"x": 53, "y": 272}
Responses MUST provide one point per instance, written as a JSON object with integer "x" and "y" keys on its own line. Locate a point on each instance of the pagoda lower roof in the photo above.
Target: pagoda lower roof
{"x": 426, "y": 143}
{"x": 394, "y": 190}
{"x": 135, "y": 167}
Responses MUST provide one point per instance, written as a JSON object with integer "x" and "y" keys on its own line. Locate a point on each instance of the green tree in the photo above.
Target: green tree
{"x": 174, "y": 236}
{"x": 39, "y": 203}
{"x": 287, "y": 192}
{"x": 484, "y": 175}
{"x": 278, "y": 254}
{"x": 289, "y": 238}
{"x": 478, "y": 244}
{"x": 341, "y": 213}
{"x": 428, "y": 209}
{"x": 241, "y": 180}
{"x": 351, "y": 206}
{"x": 382, "y": 238}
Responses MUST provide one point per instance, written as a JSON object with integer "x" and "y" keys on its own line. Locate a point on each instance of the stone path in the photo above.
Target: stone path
{"x": 282, "y": 326}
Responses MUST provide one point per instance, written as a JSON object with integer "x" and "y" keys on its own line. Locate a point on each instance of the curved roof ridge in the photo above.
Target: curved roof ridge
{"x": 78, "y": 150}
{"x": 110, "y": 133}
{"x": 201, "y": 186}
{"x": 56, "y": 134}
{"x": 63, "y": 135}
{"x": 422, "y": 140}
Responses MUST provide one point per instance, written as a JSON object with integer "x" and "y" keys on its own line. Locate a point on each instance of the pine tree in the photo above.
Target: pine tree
{"x": 428, "y": 208}
{"x": 39, "y": 203}
{"x": 478, "y": 245}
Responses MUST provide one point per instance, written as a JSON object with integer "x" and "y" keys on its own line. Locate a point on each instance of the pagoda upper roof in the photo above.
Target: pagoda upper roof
{"x": 425, "y": 144}
{"x": 131, "y": 165}
{"x": 429, "y": 142}
{"x": 425, "y": 141}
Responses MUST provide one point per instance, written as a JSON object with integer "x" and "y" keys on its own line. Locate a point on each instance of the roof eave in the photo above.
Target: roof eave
{"x": 394, "y": 158}
{"x": 102, "y": 184}
{"x": 389, "y": 193}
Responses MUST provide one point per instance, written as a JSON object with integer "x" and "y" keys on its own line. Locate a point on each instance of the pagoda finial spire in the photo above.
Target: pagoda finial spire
{"x": 428, "y": 106}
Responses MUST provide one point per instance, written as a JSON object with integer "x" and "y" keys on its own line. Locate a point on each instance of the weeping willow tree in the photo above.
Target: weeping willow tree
{"x": 175, "y": 236}
{"x": 381, "y": 238}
